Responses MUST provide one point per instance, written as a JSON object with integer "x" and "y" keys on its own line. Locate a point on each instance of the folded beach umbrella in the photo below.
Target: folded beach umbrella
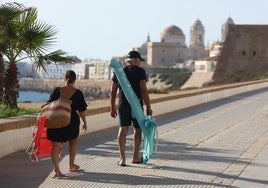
{"x": 150, "y": 139}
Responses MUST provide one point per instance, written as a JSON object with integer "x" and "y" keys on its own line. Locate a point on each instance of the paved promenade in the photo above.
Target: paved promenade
{"x": 220, "y": 144}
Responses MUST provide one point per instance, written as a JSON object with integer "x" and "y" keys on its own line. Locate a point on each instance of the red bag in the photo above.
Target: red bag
{"x": 40, "y": 147}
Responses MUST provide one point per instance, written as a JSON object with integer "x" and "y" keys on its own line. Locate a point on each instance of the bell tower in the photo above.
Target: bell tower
{"x": 225, "y": 28}
{"x": 197, "y": 34}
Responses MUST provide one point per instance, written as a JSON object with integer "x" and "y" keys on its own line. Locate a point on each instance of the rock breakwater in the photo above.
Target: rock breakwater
{"x": 91, "y": 89}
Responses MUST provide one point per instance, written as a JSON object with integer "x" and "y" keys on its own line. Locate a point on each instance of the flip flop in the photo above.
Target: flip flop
{"x": 138, "y": 162}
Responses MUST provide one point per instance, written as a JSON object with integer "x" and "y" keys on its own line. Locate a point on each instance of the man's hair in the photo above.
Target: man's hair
{"x": 130, "y": 60}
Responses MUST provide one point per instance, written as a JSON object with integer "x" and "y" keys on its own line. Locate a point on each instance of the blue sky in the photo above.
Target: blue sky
{"x": 106, "y": 28}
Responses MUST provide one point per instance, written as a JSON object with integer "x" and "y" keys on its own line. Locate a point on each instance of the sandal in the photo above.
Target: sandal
{"x": 74, "y": 168}
{"x": 138, "y": 162}
{"x": 58, "y": 174}
{"x": 122, "y": 162}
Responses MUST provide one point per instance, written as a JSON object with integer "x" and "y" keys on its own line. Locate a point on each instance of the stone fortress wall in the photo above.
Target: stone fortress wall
{"x": 244, "y": 51}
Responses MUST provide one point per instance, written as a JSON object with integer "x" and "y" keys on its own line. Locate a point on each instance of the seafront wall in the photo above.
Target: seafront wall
{"x": 15, "y": 133}
{"x": 90, "y": 88}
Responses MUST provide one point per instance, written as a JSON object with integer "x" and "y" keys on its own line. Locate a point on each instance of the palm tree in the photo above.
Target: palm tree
{"x": 2, "y": 74}
{"x": 22, "y": 36}
{"x": 6, "y": 15}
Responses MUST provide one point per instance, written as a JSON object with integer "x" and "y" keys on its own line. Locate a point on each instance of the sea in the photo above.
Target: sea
{"x": 32, "y": 96}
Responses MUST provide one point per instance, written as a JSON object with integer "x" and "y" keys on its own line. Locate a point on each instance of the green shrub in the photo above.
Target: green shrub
{"x": 176, "y": 80}
{"x": 154, "y": 81}
{"x": 164, "y": 77}
{"x": 159, "y": 91}
{"x": 239, "y": 77}
{"x": 7, "y": 111}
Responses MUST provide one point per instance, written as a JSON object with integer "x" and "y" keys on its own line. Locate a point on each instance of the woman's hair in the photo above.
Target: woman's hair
{"x": 70, "y": 76}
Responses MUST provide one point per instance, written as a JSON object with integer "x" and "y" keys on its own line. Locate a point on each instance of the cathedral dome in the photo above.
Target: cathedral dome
{"x": 172, "y": 30}
{"x": 173, "y": 34}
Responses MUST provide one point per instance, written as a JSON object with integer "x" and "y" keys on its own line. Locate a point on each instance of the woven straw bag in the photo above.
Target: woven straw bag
{"x": 57, "y": 113}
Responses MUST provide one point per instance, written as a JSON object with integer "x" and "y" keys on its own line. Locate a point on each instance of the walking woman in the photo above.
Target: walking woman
{"x": 69, "y": 133}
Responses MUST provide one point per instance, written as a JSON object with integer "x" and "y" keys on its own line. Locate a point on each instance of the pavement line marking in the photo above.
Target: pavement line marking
{"x": 233, "y": 125}
{"x": 235, "y": 169}
{"x": 189, "y": 124}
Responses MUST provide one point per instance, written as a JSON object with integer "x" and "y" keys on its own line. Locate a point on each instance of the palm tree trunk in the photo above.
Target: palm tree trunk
{"x": 2, "y": 76}
{"x": 11, "y": 84}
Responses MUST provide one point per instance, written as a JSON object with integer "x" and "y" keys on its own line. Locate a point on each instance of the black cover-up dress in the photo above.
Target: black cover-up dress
{"x": 71, "y": 131}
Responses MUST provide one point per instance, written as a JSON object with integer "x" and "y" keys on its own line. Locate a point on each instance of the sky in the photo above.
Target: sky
{"x": 106, "y": 28}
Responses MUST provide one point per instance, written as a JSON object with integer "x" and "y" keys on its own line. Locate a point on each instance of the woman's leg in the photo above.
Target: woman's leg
{"x": 55, "y": 157}
{"x": 72, "y": 153}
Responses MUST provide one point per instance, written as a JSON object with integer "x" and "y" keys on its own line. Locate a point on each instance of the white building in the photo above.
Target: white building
{"x": 89, "y": 69}
{"x": 80, "y": 70}
{"x": 215, "y": 49}
{"x": 25, "y": 70}
{"x": 206, "y": 65}
{"x": 99, "y": 70}
{"x": 55, "y": 71}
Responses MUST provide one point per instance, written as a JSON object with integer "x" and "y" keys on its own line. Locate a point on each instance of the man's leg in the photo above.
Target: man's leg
{"x": 137, "y": 143}
{"x": 121, "y": 137}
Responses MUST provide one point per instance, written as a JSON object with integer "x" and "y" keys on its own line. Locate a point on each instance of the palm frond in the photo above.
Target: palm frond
{"x": 40, "y": 36}
{"x": 36, "y": 37}
{"x": 56, "y": 57}
{"x": 24, "y": 35}
{"x": 9, "y": 11}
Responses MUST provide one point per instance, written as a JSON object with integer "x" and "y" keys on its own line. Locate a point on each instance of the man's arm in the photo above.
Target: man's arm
{"x": 112, "y": 100}
{"x": 145, "y": 97}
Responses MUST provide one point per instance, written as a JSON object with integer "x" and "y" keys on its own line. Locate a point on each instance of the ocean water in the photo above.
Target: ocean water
{"x": 32, "y": 96}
